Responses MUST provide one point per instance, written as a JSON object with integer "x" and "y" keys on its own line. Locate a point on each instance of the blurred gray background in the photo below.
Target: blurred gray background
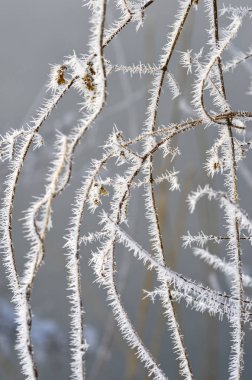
{"x": 34, "y": 34}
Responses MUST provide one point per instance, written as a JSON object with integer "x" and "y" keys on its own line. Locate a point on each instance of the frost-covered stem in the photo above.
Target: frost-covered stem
{"x": 24, "y": 345}
{"x": 167, "y": 301}
{"x": 225, "y": 203}
{"x": 104, "y": 267}
{"x": 217, "y": 263}
{"x": 125, "y": 325}
{"x": 35, "y": 256}
{"x": 11, "y": 184}
{"x": 164, "y": 62}
{"x": 87, "y": 123}
{"x": 124, "y": 22}
{"x": 236, "y": 361}
{"x": 239, "y": 113}
{"x": 109, "y": 282}
{"x": 78, "y": 345}
{"x": 236, "y": 62}
{"x": 151, "y": 151}
{"x": 43, "y": 114}
{"x": 51, "y": 193}
{"x": 73, "y": 241}
{"x": 205, "y": 72}
{"x": 207, "y": 298}
{"x": 152, "y": 214}
{"x": 16, "y": 166}
{"x": 25, "y": 352}
{"x": 190, "y": 123}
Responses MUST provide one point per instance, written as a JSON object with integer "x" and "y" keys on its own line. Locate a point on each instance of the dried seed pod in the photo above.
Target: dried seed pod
{"x": 103, "y": 191}
{"x": 97, "y": 201}
{"x": 89, "y": 82}
{"x": 60, "y": 75}
{"x": 216, "y": 165}
{"x": 91, "y": 68}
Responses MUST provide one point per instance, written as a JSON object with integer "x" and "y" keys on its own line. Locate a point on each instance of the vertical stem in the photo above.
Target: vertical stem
{"x": 152, "y": 212}
{"x": 235, "y": 371}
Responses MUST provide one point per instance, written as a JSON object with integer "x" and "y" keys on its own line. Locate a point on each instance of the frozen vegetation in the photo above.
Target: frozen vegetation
{"x": 127, "y": 166}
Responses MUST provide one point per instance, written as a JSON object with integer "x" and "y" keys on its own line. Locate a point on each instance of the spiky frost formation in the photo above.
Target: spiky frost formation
{"x": 37, "y": 219}
{"x": 104, "y": 267}
{"x": 24, "y": 347}
{"x": 204, "y": 71}
{"x": 135, "y": 171}
{"x": 198, "y": 296}
{"x": 103, "y": 262}
{"x": 98, "y": 85}
{"x": 127, "y": 330}
{"x": 216, "y": 263}
{"x": 151, "y": 211}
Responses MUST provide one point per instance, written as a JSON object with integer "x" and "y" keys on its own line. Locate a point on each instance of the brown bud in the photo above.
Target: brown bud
{"x": 60, "y": 78}
{"x": 103, "y": 191}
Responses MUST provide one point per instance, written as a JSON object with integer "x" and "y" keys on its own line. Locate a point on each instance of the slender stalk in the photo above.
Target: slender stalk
{"x": 236, "y": 363}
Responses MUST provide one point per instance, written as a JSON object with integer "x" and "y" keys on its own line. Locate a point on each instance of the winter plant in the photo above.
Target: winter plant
{"x": 130, "y": 164}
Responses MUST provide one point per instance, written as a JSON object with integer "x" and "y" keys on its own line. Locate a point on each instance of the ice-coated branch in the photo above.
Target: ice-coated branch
{"x": 205, "y": 298}
{"x": 203, "y": 73}
{"x": 217, "y": 263}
